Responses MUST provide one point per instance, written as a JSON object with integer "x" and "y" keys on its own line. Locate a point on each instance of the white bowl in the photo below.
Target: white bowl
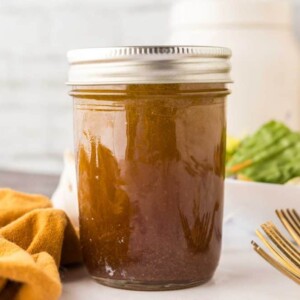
{"x": 249, "y": 204}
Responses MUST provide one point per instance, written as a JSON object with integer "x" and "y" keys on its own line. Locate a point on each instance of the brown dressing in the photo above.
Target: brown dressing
{"x": 150, "y": 160}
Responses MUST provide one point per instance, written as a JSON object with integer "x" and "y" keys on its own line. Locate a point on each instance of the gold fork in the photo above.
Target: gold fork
{"x": 286, "y": 256}
{"x": 291, "y": 221}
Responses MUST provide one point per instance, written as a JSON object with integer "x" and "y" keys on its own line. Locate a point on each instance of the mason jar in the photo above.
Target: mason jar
{"x": 150, "y": 132}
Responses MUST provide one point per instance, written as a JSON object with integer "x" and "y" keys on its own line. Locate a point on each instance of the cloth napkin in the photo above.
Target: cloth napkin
{"x": 35, "y": 239}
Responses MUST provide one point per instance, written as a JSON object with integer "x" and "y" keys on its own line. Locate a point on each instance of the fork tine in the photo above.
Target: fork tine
{"x": 284, "y": 248}
{"x": 284, "y": 244}
{"x": 295, "y": 224}
{"x": 270, "y": 246}
{"x": 296, "y": 215}
{"x": 293, "y": 214}
{"x": 289, "y": 224}
{"x": 296, "y": 221}
{"x": 286, "y": 254}
{"x": 275, "y": 263}
{"x": 285, "y": 241}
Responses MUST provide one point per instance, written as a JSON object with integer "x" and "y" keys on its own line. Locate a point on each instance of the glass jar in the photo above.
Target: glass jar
{"x": 150, "y": 132}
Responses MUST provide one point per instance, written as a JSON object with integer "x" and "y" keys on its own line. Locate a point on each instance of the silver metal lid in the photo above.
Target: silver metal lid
{"x": 149, "y": 64}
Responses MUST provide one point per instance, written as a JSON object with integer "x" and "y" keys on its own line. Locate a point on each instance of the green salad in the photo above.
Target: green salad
{"x": 271, "y": 154}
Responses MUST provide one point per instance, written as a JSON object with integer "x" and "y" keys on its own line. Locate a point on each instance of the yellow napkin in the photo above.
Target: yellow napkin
{"x": 34, "y": 240}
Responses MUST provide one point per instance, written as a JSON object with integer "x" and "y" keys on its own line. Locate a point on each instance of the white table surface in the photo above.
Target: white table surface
{"x": 241, "y": 275}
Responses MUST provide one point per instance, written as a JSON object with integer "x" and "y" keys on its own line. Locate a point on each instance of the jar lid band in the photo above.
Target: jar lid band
{"x": 149, "y": 64}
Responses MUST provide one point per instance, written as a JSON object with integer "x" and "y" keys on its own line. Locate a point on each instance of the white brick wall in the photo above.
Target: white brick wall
{"x": 35, "y": 111}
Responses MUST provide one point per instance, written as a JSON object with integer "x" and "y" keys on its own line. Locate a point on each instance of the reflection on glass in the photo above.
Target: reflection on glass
{"x": 105, "y": 216}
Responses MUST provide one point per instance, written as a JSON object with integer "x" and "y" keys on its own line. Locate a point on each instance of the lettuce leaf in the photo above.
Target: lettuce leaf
{"x": 277, "y": 169}
{"x": 269, "y": 141}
